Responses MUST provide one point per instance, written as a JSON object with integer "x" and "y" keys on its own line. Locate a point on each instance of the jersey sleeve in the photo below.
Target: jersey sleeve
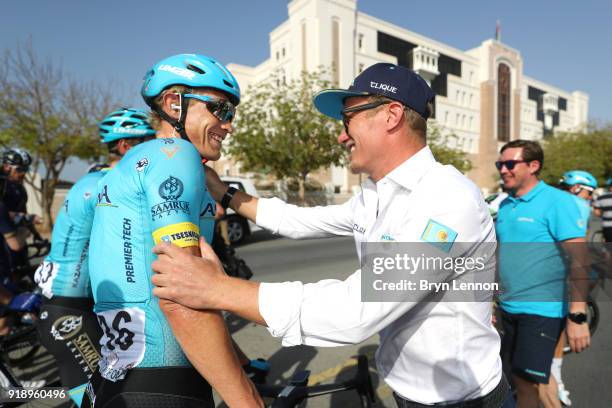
{"x": 173, "y": 183}
{"x": 566, "y": 221}
{"x": 7, "y": 228}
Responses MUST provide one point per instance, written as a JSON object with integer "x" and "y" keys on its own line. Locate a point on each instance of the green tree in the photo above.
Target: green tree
{"x": 591, "y": 151}
{"x": 280, "y": 132}
{"x": 439, "y": 142}
{"x": 50, "y": 115}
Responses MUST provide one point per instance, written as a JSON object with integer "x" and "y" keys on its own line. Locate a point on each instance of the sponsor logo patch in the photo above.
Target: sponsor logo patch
{"x": 170, "y": 190}
{"x": 66, "y": 327}
{"x": 169, "y": 152}
{"x": 103, "y": 199}
{"x": 141, "y": 164}
{"x": 183, "y": 234}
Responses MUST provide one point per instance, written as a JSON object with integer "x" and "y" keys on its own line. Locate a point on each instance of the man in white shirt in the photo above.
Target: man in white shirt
{"x": 430, "y": 352}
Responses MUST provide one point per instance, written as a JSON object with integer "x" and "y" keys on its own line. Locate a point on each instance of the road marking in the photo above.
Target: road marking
{"x": 383, "y": 391}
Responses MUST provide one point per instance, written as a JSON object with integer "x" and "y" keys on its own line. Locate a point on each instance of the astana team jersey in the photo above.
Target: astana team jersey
{"x": 156, "y": 193}
{"x": 65, "y": 271}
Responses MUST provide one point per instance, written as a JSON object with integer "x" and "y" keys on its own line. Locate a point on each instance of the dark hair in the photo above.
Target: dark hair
{"x": 532, "y": 151}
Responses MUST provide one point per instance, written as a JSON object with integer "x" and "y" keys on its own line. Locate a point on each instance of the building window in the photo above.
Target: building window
{"x": 445, "y": 117}
{"x": 360, "y": 42}
{"x": 457, "y": 97}
{"x": 277, "y": 56}
{"x": 503, "y": 103}
{"x": 471, "y": 99}
{"x": 360, "y": 68}
{"x": 283, "y": 51}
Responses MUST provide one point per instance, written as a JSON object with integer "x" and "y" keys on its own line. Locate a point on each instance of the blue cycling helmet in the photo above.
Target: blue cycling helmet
{"x": 191, "y": 71}
{"x": 584, "y": 178}
{"x": 125, "y": 123}
{"x": 609, "y": 182}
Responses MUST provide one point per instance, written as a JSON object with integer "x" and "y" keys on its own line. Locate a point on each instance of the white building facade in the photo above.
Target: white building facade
{"x": 482, "y": 95}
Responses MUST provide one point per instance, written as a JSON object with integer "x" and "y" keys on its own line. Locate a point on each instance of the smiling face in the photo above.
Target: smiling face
{"x": 362, "y": 141}
{"x": 204, "y": 130}
{"x": 522, "y": 176}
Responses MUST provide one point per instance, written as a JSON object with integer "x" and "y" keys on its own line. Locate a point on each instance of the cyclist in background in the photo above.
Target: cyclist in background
{"x": 603, "y": 209}
{"x": 15, "y": 165}
{"x": 67, "y": 327}
{"x": 157, "y": 193}
{"x": 581, "y": 185}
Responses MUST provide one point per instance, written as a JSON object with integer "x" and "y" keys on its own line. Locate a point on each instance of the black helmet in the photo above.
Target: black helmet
{"x": 16, "y": 157}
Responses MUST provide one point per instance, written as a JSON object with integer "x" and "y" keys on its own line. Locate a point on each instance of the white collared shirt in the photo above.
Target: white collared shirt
{"x": 429, "y": 352}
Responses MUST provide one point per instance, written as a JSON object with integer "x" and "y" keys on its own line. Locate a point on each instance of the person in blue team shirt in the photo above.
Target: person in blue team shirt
{"x": 581, "y": 184}
{"x": 67, "y": 327}
{"x": 533, "y": 274}
{"x": 157, "y": 194}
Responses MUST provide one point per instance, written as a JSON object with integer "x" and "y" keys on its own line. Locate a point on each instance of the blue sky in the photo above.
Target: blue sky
{"x": 566, "y": 44}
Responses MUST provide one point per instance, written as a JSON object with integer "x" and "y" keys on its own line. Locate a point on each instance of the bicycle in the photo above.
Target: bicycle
{"x": 294, "y": 393}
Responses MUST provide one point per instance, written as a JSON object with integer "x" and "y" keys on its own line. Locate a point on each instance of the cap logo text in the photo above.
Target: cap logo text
{"x": 383, "y": 87}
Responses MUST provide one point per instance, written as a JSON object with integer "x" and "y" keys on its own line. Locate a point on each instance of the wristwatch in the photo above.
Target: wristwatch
{"x": 578, "y": 318}
{"x": 227, "y": 197}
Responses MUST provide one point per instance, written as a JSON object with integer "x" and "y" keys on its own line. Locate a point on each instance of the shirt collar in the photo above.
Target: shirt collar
{"x": 532, "y": 193}
{"x": 409, "y": 173}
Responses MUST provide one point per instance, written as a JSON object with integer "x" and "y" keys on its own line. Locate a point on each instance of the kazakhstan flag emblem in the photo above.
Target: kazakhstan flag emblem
{"x": 439, "y": 235}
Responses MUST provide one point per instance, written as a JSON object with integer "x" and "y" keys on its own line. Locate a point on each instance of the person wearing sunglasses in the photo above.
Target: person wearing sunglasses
{"x": 537, "y": 227}
{"x": 409, "y": 198}
{"x": 155, "y": 353}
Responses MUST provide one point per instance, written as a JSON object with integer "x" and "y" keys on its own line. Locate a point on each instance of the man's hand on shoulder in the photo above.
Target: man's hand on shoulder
{"x": 186, "y": 279}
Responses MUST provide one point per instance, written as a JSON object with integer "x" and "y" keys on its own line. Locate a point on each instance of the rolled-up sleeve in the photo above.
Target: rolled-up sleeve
{"x": 301, "y": 222}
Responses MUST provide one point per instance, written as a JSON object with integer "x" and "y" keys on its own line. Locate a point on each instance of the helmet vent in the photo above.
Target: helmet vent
{"x": 139, "y": 116}
{"x": 228, "y": 83}
{"x": 128, "y": 123}
{"x": 196, "y": 69}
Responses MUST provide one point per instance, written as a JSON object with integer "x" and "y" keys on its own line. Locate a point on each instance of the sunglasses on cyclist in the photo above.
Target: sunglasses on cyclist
{"x": 346, "y": 119}
{"x": 221, "y": 109}
{"x": 21, "y": 169}
{"x": 509, "y": 164}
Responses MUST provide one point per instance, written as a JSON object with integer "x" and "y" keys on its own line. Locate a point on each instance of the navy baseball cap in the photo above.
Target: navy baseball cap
{"x": 392, "y": 81}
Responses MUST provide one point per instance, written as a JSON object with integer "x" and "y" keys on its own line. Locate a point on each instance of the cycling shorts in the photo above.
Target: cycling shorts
{"x": 176, "y": 387}
{"x": 69, "y": 330}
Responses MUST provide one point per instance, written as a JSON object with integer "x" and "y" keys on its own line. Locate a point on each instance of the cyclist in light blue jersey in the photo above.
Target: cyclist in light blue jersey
{"x": 157, "y": 193}
{"x": 581, "y": 184}
{"x": 67, "y": 326}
